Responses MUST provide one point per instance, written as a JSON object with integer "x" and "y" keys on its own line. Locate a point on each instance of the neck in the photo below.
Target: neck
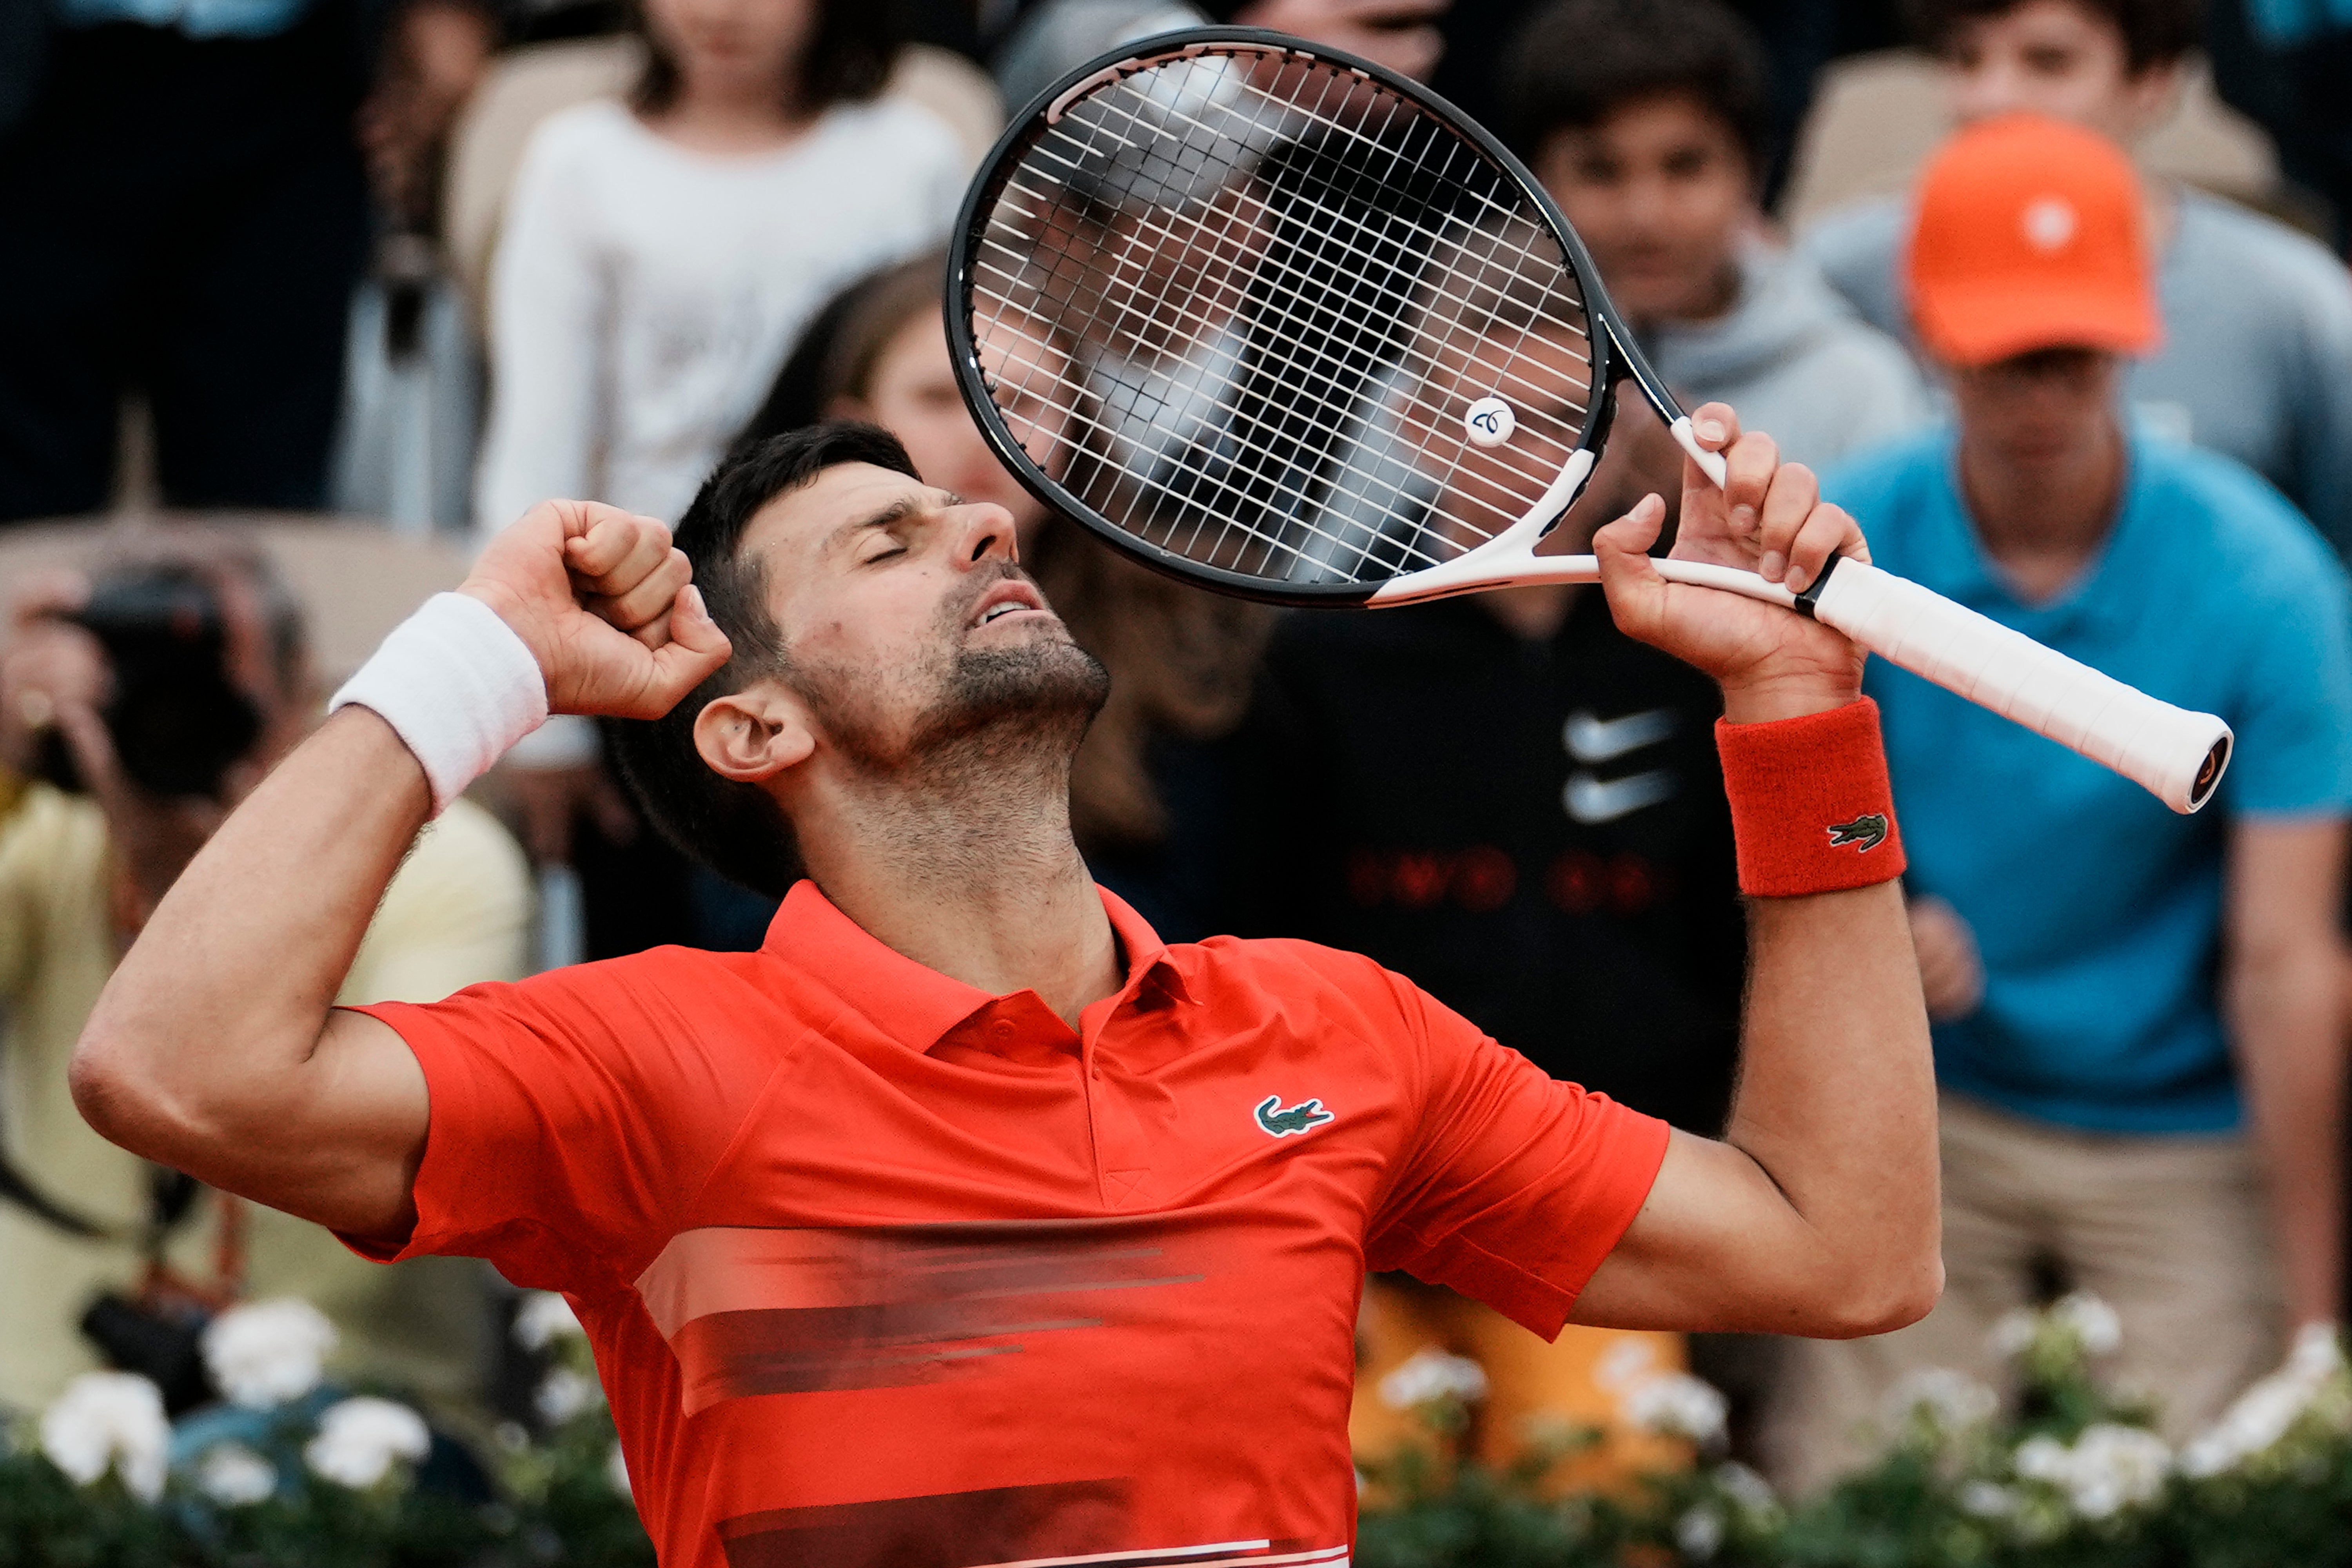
{"x": 730, "y": 117}
{"x": 969, "y": 870}
{"x": 2042, "y": 522}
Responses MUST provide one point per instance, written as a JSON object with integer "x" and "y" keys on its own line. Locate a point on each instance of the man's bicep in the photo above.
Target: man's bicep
{"x": 1716, "y": 1247}
{"x": 343, "y": 1150}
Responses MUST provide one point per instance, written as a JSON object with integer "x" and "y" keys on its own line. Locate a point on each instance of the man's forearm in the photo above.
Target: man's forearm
{"x": 2286, "y": 1015}
{"x": 1836, "y": 1098}
{"x": 212, "y": 1016}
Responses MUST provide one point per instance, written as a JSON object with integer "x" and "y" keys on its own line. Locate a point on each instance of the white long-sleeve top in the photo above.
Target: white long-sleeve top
{"x": 644, "y": 294}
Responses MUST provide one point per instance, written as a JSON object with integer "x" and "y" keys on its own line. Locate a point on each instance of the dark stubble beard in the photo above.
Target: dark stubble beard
{"x": 1001, "y": 710}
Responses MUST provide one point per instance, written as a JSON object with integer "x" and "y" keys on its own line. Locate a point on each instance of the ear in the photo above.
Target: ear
{"x": 752, "y": 735}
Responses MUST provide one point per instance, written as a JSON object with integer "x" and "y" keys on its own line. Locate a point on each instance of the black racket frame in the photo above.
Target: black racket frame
{"x": 1616, "y": 356}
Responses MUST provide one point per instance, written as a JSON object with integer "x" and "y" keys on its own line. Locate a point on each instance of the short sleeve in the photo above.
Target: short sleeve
{"x": 2293, "y": 720}
{"x": 1515, "y": 1185}
{"x": 573, "y": 1118}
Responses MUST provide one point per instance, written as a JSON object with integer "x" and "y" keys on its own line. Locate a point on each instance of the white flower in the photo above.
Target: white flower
{"x": 1744, "y": 1487}
{"x": 2094, "y": 1322}
{"x": 2043, "y": 1460}
{"x": 1626, "y": 1363}
{"x": 2013, "y": 1332}
{"x": 2267, "y": 1411}
{"x": 234, "y": 1476}
{"x": 2116, "y": 1467}
{"x": 1952, "y": 1400}
{"x": 360, "y": 1438}
{"x": 2109, "y": 1466}
{"x": 1699, "y": 1533}
{"x": 109, "y": 1420}
{"x": 616, "y": 1470}
{"x": 2318, "y": 1353}
{"x": 1987, "y": 1499}
{"x": 263, "y": 1354}
{"x": 1431, "y": 1375}
{"x": 566, "y": 1393}
{"x": 1677, "y": 1404}
{"x": 542, "y": 1319}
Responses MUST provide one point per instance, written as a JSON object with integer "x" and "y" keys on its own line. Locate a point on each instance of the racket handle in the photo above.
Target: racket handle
{"x": 2178, "y": 755}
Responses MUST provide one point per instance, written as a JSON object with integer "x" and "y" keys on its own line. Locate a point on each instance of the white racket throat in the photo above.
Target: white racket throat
{"x": 1509, "y": 559}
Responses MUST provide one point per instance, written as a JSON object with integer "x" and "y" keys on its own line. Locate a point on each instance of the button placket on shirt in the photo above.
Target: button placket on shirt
{"x": 1122, "y": 1155}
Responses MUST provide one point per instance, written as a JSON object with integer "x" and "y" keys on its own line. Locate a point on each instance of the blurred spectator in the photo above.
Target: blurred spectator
{"x": 432, "y": 66}
{"x": 1056, "y": 37}
{"x": 1512, "y": 802}
{"x": 187, "y": 214}
{"x": 2255, "y": 357}
{"x": 1646, "y": 122}
{"x": 160, "y": 693}
{"x": 1148, "y": 788}
{"x": 2138, "y": 1030}
{"x": 659, "y": 258}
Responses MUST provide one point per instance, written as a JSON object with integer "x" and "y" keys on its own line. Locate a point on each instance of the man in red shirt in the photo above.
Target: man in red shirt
{"x": 967, "y": 1223}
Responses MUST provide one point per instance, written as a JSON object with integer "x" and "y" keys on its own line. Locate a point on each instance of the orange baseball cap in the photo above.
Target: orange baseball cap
{"x": 2029, "y": 234}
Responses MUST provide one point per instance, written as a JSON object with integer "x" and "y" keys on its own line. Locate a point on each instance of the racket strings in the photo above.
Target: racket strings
{"x": 1453, "y": 147}
{"x": 1244, "y": 324}
{"x": 1204, "y": 329}
{"x": 1359, "y": 252}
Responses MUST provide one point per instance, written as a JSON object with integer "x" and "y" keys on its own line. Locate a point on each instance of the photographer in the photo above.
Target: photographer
{"x": 137, "y": 707}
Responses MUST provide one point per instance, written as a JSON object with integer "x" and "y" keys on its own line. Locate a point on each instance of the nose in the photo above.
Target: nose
{"x": 982, "y": 530}
{"x": 1984, "y": 89}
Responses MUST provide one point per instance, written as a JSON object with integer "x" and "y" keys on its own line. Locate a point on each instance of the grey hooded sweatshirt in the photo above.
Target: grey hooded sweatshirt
{"x": 1795, "y": 361}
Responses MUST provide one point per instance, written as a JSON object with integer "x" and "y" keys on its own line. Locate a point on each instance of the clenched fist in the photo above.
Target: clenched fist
{"x": 605, "y": 604}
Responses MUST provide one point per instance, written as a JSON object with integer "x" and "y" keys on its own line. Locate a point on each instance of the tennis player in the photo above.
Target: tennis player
{"x": 968, "y": 1222}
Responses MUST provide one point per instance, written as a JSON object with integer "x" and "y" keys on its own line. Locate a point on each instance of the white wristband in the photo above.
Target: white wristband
{"x": 457, "y": 685}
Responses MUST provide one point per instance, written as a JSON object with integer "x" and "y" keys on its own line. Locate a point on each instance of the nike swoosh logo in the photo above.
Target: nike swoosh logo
{"x": 1592, "y": 740}
{"x": 1591, "y": 800}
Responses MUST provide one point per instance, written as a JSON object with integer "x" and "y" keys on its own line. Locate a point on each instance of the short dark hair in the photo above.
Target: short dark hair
{"x": 847, "y": 59}
{"x": 1576, "y": 62}
{"x": 2155, "y": 32}
{"x": 737, "y": 829}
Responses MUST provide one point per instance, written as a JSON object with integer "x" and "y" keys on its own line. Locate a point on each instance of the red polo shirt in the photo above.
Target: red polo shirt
{"x": 882, "y": 1269}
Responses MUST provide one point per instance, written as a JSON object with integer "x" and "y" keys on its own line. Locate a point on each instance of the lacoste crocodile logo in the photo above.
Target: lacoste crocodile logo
{"x": 1280, "y": 1123}
{"x": 1865, "y": 832}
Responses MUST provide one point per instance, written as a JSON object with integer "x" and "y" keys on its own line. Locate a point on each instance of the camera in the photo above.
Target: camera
{"x": 177, "y": 720}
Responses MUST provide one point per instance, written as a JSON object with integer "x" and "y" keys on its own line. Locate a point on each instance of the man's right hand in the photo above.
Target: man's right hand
{"x": 1951, "y": 971}
{"x": 47, "y": 664}
{"x": 605, "y": 604}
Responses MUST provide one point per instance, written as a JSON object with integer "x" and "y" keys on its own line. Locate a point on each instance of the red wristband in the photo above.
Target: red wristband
{"x": 1811, "y": 811}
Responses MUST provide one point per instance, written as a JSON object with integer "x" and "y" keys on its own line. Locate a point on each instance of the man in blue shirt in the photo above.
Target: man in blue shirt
{"x": 2138, "y": 1030}
{"x": 2256, "y": 357}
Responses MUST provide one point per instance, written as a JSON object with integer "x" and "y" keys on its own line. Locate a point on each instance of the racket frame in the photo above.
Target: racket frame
{"x": 1615, "y": 357}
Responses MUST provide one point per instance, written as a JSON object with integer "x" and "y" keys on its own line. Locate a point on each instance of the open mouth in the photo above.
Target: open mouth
{"x": 1013, "y": 597}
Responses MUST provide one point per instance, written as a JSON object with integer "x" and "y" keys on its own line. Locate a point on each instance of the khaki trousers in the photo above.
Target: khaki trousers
{"x": 2170, "y": 1231}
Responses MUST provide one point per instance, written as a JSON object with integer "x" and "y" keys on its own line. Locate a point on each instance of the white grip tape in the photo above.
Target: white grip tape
{"x": 2165, "y": 749}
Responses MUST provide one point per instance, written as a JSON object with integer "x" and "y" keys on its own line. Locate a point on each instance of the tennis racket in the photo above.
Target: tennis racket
{"x": 1284, "y": 323}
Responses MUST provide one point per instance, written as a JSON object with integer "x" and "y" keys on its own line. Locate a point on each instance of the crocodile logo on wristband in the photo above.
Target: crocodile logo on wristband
{"x": 1865, "y": 832}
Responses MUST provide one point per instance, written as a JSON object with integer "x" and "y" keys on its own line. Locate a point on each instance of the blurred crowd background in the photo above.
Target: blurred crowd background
{"x": 302, "y": 300}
